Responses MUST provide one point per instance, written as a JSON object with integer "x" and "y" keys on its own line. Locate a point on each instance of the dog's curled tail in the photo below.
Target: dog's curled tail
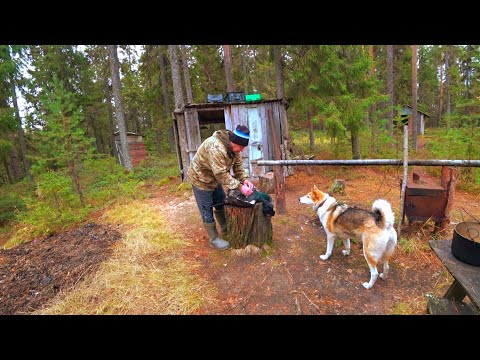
{"x": 384, "y": 209}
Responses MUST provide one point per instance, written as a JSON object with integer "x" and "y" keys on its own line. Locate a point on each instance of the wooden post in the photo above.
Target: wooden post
{"x": 405, "y": 178}
{"x": 248, "y": 226}
{"x": 277, "y": 170}
{"x": 448, "y": 182}
{"x": 267, "y": 183}
{"x": 287, "y": 148}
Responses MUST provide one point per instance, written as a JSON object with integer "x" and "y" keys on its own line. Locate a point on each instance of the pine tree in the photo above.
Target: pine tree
{"x": 333, "y": 82}
{"x": 63, "y": 143}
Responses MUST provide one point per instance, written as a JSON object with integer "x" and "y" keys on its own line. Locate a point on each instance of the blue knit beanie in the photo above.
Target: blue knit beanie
{"x": 240, "y": 135}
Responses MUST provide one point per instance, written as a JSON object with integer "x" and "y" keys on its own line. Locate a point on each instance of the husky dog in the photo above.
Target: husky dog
{"x": 374, "y": 228}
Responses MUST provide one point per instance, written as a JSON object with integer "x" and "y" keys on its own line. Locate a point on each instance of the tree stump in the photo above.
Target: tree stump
{"x": 338, "y": 186}
{"x": 248, "y": 226}
{"x": 267, "y": 183}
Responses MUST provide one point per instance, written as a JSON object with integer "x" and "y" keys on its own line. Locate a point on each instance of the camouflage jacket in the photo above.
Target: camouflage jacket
{"x": 212, "y": 163}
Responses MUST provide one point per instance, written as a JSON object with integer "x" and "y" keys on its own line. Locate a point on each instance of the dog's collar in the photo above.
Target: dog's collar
{"x": 320, "y": 205}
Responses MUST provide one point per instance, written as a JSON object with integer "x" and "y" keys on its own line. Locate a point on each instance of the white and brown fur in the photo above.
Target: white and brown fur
{"x": 374, "y": 228}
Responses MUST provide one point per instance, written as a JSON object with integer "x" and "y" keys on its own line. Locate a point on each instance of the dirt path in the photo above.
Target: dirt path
{"x": 292, "y": 279}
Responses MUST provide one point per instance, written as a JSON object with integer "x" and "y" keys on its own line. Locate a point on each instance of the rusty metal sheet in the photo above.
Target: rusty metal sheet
{"x": 422, "y": 208}
{"x": 425, "y": 192}
{"x": 424, "y": 188}
{"x": 424, "y": 200}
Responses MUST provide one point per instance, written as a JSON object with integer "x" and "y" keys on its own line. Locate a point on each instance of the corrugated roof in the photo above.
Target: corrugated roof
{"x": 223, "y": 104}
{"x": 420, "y": 111}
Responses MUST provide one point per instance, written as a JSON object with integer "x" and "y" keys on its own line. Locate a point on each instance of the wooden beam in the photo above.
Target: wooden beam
{"x": 278, "y": 171}
{"x": 405, "y": 178}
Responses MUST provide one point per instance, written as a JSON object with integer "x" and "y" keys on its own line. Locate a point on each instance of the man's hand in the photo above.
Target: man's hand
{"x": 249, "y": 184}
{"x": 247, "y": 188}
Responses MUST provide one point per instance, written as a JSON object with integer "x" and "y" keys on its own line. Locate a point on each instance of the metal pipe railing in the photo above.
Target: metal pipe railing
{"x": 461, "y": 163}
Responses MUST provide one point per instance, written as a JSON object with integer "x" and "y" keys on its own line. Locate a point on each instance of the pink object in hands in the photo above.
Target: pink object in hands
{"x": 246, "y": 190}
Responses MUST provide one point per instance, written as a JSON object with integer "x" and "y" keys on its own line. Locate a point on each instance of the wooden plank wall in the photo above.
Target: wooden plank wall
{"x": 284, "y": 120}
{"x": 227, "y": 113}
{"x": 266, "y": 138}
{"x": 237, "y": 115}
{"x": 263, "y": 129}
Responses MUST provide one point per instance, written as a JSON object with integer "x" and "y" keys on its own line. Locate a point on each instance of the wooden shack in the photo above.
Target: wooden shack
{"x": 195, "y": 122}
{"x": 406, "y": 115}
{"x": 135, "y": 145}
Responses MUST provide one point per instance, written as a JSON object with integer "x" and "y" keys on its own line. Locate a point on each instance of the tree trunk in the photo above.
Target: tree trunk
{"x": 277, "y": 57}
{"x": 440, "y": 108}
{"x": 415, "y": 126}
{"x": 448, "y": 182}
{"x": 17, "y": 168}
{"x": 244, "y": 69}
{"x": 176, "y": 79}
{"x": 371, "y": 111}
{"x": 76, "y": 181}
{"x": 228, "y": 68}
{"x": 374, "y": 128}
{"x": 90, "y": 123}
{"x": 108, "y": 97}
{"x": 116, "y": 85}
{"x": 158, "y": 143}
{"x": 447, "y": 79}
{"x": 163, "y": 79}
{"x": 390, "y": 88}
{"x": 166, "y": 103}
{"x": 248, "y": 226}
{"x": 5, "y": 164}
{"x": 355, "y": 146}
{"x": 21, "y": 137}
{"x": 135, "y": 122}
{"x": 277, "y": 170}
{"x": 186, "y": 75}
{"x": 311, "y": 135}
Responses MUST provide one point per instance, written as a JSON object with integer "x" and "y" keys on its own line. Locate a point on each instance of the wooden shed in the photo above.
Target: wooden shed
{"x": 196, "y": 122}
{"x": 135, "y": 145}
{"x": 406, "y": 114}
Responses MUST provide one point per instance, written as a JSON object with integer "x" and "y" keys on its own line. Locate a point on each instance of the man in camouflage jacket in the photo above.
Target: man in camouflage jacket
{"x": 209, "y": 171}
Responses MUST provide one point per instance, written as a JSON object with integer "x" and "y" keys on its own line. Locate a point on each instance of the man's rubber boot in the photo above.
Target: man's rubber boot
{"x": 215, "y": 241}
{"x": 222, "y": 221}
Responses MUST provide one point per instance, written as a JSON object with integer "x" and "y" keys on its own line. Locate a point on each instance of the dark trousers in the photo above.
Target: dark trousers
{"x": 207, "y": 200}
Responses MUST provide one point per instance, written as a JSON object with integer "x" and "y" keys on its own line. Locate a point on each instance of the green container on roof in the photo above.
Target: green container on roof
{"x": 253, "y": 97}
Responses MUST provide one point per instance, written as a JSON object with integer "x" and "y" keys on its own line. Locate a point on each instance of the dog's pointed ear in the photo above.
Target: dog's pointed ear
{"x": 315, "y": 187}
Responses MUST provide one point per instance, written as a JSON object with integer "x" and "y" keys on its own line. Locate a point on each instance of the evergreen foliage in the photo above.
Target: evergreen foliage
{"x": 68, "y": 115}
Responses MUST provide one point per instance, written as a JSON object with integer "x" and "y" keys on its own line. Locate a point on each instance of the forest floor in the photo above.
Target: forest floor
{"x": 289, "y": 279}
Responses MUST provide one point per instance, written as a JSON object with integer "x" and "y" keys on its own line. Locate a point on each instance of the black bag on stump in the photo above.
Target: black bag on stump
{"x": 236, "y": 198}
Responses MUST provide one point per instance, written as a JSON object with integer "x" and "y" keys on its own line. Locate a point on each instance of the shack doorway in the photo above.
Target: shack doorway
{"x": 210, "y": 120}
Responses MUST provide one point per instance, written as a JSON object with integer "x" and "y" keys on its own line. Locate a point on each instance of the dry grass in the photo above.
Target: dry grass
{"x": 414, "y": 239}
{"x": 147, "y": 274}
{"x": 414, "y": 306}
{"x": 418, "y": 305}
{"x": 442, "y": 283}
